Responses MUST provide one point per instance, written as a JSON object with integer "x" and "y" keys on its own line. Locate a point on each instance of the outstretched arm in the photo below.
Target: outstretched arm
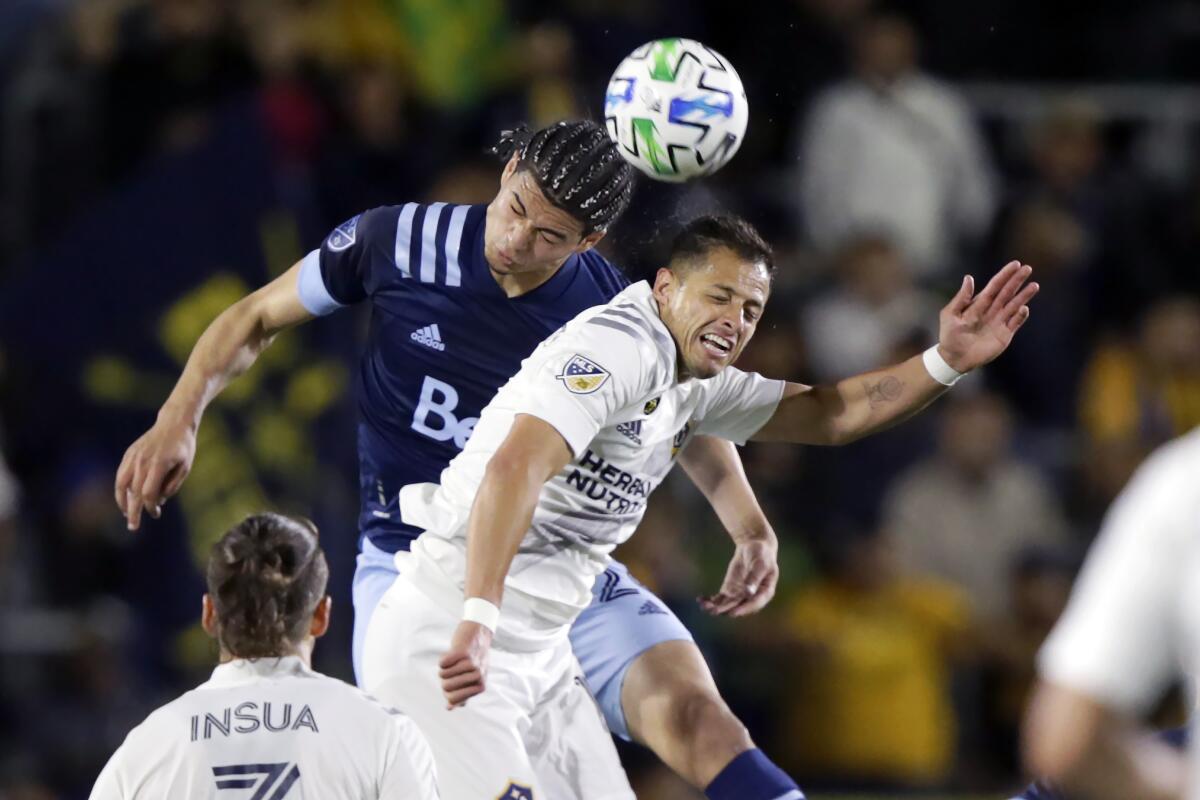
{"x": 154, "y": 467}
{"x": 714, "y": 466}
{"x": 531, "y": 454}
{"x": 974, "y": 329}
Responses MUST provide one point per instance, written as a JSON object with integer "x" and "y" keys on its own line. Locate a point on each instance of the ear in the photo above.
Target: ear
{"x": 320, "y": 620}
{"x": 208, "y": 616}
{"x": 509, "y": 169}
{"x": 665, "y": 283}
{"x": 589, "y": 241}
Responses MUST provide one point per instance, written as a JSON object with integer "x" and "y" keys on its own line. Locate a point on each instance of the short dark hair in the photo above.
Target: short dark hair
{"x": 577, "y": 166}
{"x": 266, "y": 576}
{"x": 711, "y": 232}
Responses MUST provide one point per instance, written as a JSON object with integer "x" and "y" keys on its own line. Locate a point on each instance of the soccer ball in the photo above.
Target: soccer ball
{"x": 677, "y": 109}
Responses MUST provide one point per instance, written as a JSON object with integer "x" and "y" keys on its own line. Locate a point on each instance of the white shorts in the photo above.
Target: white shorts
{"x": 534, "y": 734}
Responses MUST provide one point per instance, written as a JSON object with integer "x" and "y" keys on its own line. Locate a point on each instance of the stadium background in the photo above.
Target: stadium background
{"x": 158, "y": 158}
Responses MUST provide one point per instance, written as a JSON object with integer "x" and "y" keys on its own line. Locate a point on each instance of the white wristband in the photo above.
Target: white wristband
{"x": 476, "y": 609}
{"x": 938, "y": 369}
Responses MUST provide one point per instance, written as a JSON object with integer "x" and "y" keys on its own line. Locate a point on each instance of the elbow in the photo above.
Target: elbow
{"x": 513, "y": 471}
{"x": 1055, "y": 742}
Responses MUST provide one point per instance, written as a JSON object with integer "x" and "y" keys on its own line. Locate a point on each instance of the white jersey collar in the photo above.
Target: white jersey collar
{"x": 251, "y": 670}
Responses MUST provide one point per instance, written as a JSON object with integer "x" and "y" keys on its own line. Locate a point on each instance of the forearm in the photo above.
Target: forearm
{"x": 500, "y": 517}
{"x": 232, "y": 343}
{"x": 226, "y": 349}
{"x": 875, "y": 401}
{"x": 714, "y": 467}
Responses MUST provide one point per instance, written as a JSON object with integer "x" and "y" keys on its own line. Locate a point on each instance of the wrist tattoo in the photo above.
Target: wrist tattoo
{"x": 884, "y": 391}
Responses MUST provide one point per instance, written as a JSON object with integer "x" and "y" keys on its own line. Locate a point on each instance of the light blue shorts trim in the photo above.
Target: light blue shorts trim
{"x": 624, "y": 620}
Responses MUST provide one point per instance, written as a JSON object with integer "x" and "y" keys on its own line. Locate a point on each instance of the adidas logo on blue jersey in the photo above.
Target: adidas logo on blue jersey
{"x": 429, "y": 336}
{"x": 650, "y": 607}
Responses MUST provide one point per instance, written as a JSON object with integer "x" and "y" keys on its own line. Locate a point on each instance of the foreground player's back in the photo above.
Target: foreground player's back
{"x": 271, "y": 728}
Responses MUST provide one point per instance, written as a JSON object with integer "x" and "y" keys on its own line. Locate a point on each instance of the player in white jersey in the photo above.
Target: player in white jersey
{"x": 1131, "y": 629}
{"x": 557, "y": 474}
{"x": 266, "y": 725}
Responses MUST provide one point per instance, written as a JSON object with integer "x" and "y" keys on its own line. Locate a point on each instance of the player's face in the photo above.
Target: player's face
{"x": 712, "y": 309}
{"x": 525, "y": 232}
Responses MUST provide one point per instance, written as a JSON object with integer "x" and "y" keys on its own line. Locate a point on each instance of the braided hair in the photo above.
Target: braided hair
{"x": 577, "y": 166}
{"x": 265, "y": 578}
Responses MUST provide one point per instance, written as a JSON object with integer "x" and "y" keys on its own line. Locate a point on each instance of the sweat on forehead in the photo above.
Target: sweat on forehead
{"x": 699, "y": 239}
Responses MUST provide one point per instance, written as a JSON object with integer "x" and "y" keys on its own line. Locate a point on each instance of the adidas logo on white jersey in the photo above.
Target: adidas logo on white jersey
{"x": 429, "y": 336}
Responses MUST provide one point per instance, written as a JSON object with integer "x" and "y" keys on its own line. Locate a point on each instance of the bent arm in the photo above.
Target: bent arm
{"x": 850, "y": 409}
{"x": 232, "y": 343}
{"x": 1087, "y": 749}
{"x": 714, "y": 466}
{"x": 531, "y": 454}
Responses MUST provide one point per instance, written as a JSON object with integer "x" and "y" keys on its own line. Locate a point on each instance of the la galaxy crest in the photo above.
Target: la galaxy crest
{"x": 515, "y": 791}
{"x": 343, "y": 235}
{"x": 650, "y": 406}
{"x": 582, "y": 375}
{"x": 680, "y": 439}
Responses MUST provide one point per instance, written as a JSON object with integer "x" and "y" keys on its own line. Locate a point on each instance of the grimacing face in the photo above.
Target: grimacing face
{"x": 525, "y": 232}
{"x": 712, "y": 309}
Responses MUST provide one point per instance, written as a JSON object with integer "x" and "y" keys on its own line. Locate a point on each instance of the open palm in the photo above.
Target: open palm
{"x": 975, "y": 328}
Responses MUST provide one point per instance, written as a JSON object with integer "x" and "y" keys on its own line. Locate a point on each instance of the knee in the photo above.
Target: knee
{"x": 698, "y": 712}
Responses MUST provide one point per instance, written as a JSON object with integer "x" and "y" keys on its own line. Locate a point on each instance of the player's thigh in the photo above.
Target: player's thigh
{"x": 478, "y": 748}
{"x": 374, "y": 573}
{"x": 569, "y": 744}
{"x": 624, "y": 620}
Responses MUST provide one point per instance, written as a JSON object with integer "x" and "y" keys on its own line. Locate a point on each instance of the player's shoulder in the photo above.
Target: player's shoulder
{"x": 627, "y": 324}
{"x": 605, "y": 278}
{"x": 1165, "y": 480}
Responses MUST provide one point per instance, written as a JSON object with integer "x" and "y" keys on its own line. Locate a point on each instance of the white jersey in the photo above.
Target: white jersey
{"x": 274, "y": 729}
{"x": 607, "y": 382}
{"x": 1133, "y": 624}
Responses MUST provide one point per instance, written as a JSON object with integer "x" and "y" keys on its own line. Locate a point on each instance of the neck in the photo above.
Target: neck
{"x": 681, "y": 370}
{"x": 303, "y": 651}
{"x": 515, "y": 284}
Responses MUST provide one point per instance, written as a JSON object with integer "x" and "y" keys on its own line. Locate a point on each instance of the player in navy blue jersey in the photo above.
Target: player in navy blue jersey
{"x": 459, "y": 296}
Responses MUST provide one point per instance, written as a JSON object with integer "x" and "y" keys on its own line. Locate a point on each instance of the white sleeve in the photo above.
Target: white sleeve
{"x": 577, "y": 380}
{"x": 108, "y": 785}
{"x": 409, "y": 773}
{"x": 737, "y": 404}
{"x": 1116, "y": 641}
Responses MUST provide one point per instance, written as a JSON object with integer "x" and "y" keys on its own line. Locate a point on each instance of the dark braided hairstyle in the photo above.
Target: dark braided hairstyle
{"x": 577, "y": 166}
{"x": 266, "y": 577}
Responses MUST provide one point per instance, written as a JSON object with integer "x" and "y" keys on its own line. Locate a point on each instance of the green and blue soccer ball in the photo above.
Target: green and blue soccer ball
{"x": 677, "y": 109}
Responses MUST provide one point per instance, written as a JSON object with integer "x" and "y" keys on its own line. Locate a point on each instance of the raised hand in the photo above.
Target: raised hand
{"x": 153, "y": 469}
{"x": 749, "y": 581}
{"x": 463, "y": 669}
{"x": 975, "y": 328}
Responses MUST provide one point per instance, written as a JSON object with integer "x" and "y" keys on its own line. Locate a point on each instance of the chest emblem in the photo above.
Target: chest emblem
{"x": 429, "y": 336}
{"x": 651, "y": 406}
{"x": 680, "y": 439}
{"x": 631, "y": 430}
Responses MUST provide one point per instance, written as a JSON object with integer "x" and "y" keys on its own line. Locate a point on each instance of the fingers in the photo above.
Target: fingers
{"x": 133, "y": 510}
{"x": 758, "y": 600}
{"x": 152, "y": 490}
{"x": 461, "y": 678}
{"x": 1019, "y": 301}
{"x": 962, "y": 299}
{"x": 983, "y": 301}
{"x": 1010, "y": 288}
{"x": 124, "y": 477}
{"x": 1017, "y": 320}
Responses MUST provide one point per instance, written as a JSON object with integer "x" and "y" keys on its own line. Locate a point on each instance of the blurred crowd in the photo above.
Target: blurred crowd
{"x": 892, "y": 148}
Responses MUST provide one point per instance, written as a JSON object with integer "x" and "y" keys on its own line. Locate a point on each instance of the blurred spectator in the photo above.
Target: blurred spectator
{"x": 1072, "y": 170}
{"x": 855, "y": 326}
{"x": 1040, "y": 580}
{"x": 966, "y": 513}
{"x": 175, "y": 61}
{"x": 373, "y": 157}
{"x": 1146, "y": 390}
{"x": 895, "y": 151}
{"x": 870, "y": 702}
{"x": 1039, "y": 373}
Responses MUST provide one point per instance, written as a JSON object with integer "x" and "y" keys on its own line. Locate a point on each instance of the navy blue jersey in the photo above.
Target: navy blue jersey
{"x": 443, "y": 338}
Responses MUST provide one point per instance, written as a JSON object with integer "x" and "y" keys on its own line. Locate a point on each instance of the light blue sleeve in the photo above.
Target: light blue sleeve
{"x": 311, "y": 287}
